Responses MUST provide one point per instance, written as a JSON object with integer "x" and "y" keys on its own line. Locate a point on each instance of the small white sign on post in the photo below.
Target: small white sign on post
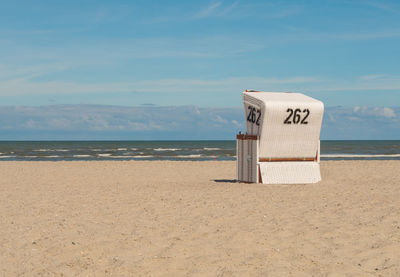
{"x": 285, "y": 130}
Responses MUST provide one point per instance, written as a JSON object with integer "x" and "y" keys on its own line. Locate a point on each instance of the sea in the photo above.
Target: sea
{"x": 221, "y": 150}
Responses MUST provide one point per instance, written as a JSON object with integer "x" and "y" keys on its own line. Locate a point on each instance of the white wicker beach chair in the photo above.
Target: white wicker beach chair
{"x": 282, "y": 140}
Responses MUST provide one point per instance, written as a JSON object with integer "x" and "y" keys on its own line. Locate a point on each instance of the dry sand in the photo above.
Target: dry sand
{"x": 189, "y": 219}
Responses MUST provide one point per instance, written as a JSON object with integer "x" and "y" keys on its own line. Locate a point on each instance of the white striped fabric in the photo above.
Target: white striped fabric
{"x": 298, "y": 137}
{"x": 290, "y": 172}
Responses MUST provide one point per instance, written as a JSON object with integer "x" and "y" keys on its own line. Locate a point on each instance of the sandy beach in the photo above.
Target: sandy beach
{"x": 157, "y": 218}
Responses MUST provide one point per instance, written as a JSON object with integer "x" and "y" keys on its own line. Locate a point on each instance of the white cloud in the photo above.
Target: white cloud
{"x": 371, "y": 77}
{"x": 354, "y": 118}
{"x": 229, "y": 9}
{"x": 23, "y": 80}
{"x": 367, "y": 35}
{"x": 236, "y": 123}
{"x": 95, "y": 118}
{"x": 315, "y": 36}
{"x": 388, "y": 112}
{"x": 208, "y": 11}
{"x": 214, "y": 9}
{"x": 392, "y": 8}
{"x": 71, "y": 121}
{"x": 27, "y": 72}
{"x": 219, "y": 119}
{"x": 102, "y": 53}
{"x": 362, "y": 83}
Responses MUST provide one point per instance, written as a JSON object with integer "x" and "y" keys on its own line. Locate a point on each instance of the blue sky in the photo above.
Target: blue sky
{"x": 204, "y": 53}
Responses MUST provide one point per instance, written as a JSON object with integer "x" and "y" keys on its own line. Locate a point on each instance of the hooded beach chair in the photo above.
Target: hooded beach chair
{"x": 282, "y": 140}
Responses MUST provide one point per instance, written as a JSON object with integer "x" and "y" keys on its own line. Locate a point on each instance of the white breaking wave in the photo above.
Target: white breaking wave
{"x": 188, "y": 156}
{"x": 211, "y": 148}
{"x": 51, "y": 156}
{"x": 166, "y": 149}
{"x": 360, "y": 155}
{"x": 51, "y": 150}
{"x": 121, "y": 157}
{"x": 81, "y": 156}
{"x": 107, "y": 149}
{"x": 104, "y": 155}
{"x": 4, "y": 157}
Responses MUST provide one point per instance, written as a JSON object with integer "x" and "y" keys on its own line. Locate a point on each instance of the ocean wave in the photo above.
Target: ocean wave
{"x": 360, "y": 155}
{"x": 82, "y": 156}
{"x": 104, "y": 155}
{"x": 5, "y": 157}
{"x": 33, "y": 157}
{"x": 188, "y": 156}
{"x": 109, "y": 149}
{"x": 211, "y": 148}
{"x": 135, "y": 156}
{"x": 51, "y": 150}
{"x": 166, "y": 149}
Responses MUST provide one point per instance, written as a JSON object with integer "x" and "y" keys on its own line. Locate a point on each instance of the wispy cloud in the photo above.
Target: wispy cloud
{"x": 120, "y": 50}
{"x": 208, "y": 11}
{"x": 33, "y": 32}
{"x": 371, "y": 77}
{"x": 362, "y": 83}
{"x": 367, "y": 35}
{"x": 23, "y": 73}
{"x": 23, "y": 86}
{"x": 233, "y": 10}
{"x": 305, "y": 36}
{"x": 391, "y": 8}
{"x": 27, "y": 80}
{"x": 215, "y": 9}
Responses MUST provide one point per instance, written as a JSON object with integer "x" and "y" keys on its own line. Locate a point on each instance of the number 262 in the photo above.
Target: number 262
{"x": 297, "y": 116}
{"x": 254, "y": 115}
